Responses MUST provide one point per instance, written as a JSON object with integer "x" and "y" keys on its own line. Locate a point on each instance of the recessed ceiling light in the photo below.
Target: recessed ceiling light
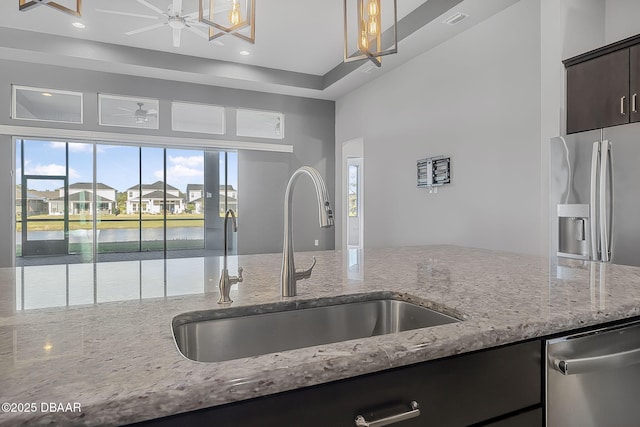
{"x": 245, "y": 52}
{"x": 455, "y": 18}
{"x": 46, "y": 94}
{"x": 78, "y": 25}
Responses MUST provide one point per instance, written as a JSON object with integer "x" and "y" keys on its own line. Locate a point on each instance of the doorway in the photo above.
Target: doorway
{"x": 45, "y": 224}
{"x": 354, "y": 202}
{"x": 353, "y": 194}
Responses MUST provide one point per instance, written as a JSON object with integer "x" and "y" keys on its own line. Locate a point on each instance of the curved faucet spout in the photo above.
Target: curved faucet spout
{"x": 232, "y": 214}
{"x": 234, "y": 226}
{"x": 225, "y": 280}
{"x": 289, "y": 274}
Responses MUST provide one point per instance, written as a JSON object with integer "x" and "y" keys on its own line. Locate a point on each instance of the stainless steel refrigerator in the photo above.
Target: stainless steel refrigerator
{"x": 595, "y": 195}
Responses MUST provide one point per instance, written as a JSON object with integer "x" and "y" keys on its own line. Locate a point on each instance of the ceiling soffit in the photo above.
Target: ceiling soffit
{"x": 30, "y": 46}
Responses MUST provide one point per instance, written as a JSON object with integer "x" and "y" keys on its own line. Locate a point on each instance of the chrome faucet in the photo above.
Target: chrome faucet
{"x": 289, "y": 275}
{"x": 227, "y": 281}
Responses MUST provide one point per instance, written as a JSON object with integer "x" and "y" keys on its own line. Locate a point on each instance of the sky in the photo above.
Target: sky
{"x": 116, "y": 165}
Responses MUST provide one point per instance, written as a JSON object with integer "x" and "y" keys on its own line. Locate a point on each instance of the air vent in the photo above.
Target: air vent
{"x": 455, "y": 18}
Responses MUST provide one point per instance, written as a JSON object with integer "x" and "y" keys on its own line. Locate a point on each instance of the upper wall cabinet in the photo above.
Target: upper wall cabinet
{"x": 603, "y": 87}
{"x": 598, "y": 92}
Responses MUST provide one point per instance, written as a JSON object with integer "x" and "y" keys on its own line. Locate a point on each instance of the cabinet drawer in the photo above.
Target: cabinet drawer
{"x": 456, "y": 391}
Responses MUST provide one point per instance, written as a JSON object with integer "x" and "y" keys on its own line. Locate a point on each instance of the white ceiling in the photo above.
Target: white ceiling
{"x": 303, "y": 36}
{"x": 300, "y": 36}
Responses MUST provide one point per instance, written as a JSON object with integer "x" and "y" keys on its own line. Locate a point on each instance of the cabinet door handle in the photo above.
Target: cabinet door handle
{"x": 414, "y": 412}
{"x": 634, "y": 103}
{"x": 622, "y": 105}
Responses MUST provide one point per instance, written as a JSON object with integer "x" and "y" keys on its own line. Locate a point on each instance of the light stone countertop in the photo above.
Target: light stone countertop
{"x": 118, "y": 359}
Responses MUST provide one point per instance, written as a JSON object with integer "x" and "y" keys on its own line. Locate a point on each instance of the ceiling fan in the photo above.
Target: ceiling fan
{"x": 173, "y": 18}
{"x": 140, "y": 115}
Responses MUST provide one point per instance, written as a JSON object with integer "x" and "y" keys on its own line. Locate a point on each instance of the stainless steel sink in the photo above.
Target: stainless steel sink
{"x": 218, "y": 335}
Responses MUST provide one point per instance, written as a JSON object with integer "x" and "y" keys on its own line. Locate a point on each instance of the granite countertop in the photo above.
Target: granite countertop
{"x": 118, "y": 361}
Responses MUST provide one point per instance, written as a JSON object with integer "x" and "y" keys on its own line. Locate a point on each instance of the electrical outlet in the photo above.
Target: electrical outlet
{"x": 317, "y": 242}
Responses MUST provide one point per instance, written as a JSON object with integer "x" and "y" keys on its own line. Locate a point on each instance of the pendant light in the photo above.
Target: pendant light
{"x": 236, "y": 17}
{"x": 370, "y": 30}
{"x": 24, "y": 5}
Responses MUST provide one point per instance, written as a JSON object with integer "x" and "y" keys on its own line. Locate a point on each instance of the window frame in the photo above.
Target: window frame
{"x": 280, "y": 115}
{"x": 14, "y": 102}
{"x": 213, "y": 106}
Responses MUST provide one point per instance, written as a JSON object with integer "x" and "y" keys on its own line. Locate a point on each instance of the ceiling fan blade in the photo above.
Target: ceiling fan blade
{"x": 176, "y": 37}
{"x": 198, "y": 32}
{"x": 177, "y": 7}
{"x": 143, "y": 29}
{"x": 150, "y": 6}
{"x": 136, "y": 15}
{"x": 125, "y": 109}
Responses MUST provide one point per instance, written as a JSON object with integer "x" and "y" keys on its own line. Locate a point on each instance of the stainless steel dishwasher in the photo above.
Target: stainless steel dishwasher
{"x": 593, "y": 378}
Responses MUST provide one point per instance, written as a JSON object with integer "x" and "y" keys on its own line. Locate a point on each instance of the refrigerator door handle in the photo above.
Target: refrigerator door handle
{"x": 595, "y": 241}
{"x": 606, "y": 201}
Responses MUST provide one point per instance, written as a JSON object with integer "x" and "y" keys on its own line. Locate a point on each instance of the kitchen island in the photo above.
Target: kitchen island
{"x": 115, "y": 356}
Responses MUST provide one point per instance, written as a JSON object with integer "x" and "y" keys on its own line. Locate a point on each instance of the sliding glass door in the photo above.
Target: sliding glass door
{"x": 117, "y": 174}
{"x": 80, "y": 201}
{"x": 107, "y": 202}
{"x": 185, "y": 216}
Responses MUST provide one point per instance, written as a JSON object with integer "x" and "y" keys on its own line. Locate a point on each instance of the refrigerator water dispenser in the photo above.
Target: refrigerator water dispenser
{"x": 574, "y": 234}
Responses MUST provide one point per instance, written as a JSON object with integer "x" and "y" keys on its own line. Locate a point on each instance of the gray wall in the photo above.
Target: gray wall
{"x": 310, "y": 126}
{"x": 258, "y": 234}
{"x": 622, "y": 19}
{"x": 475, "y": 98}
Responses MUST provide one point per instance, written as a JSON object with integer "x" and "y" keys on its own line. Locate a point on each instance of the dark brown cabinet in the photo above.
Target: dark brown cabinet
{"x": 603, "y": 87}
{"x": 499, "y": 386}
{"x": 598, "y": 92}
{"x": 530, "y": 418}
{"x": 634, "y": 82}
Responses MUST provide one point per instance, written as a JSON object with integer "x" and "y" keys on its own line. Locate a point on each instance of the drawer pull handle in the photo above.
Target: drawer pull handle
{"x": 414, "y": 412}
{"x": 622, "y": 105}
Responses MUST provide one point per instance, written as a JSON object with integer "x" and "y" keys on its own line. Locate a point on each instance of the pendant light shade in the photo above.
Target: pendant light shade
{"x": 236, "y": 17}
{"x": 24, "y": 5}
{"x": 370, "y": 30}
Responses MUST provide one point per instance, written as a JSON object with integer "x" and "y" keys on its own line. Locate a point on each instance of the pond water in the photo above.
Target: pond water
{"x": 120, "y": 234}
